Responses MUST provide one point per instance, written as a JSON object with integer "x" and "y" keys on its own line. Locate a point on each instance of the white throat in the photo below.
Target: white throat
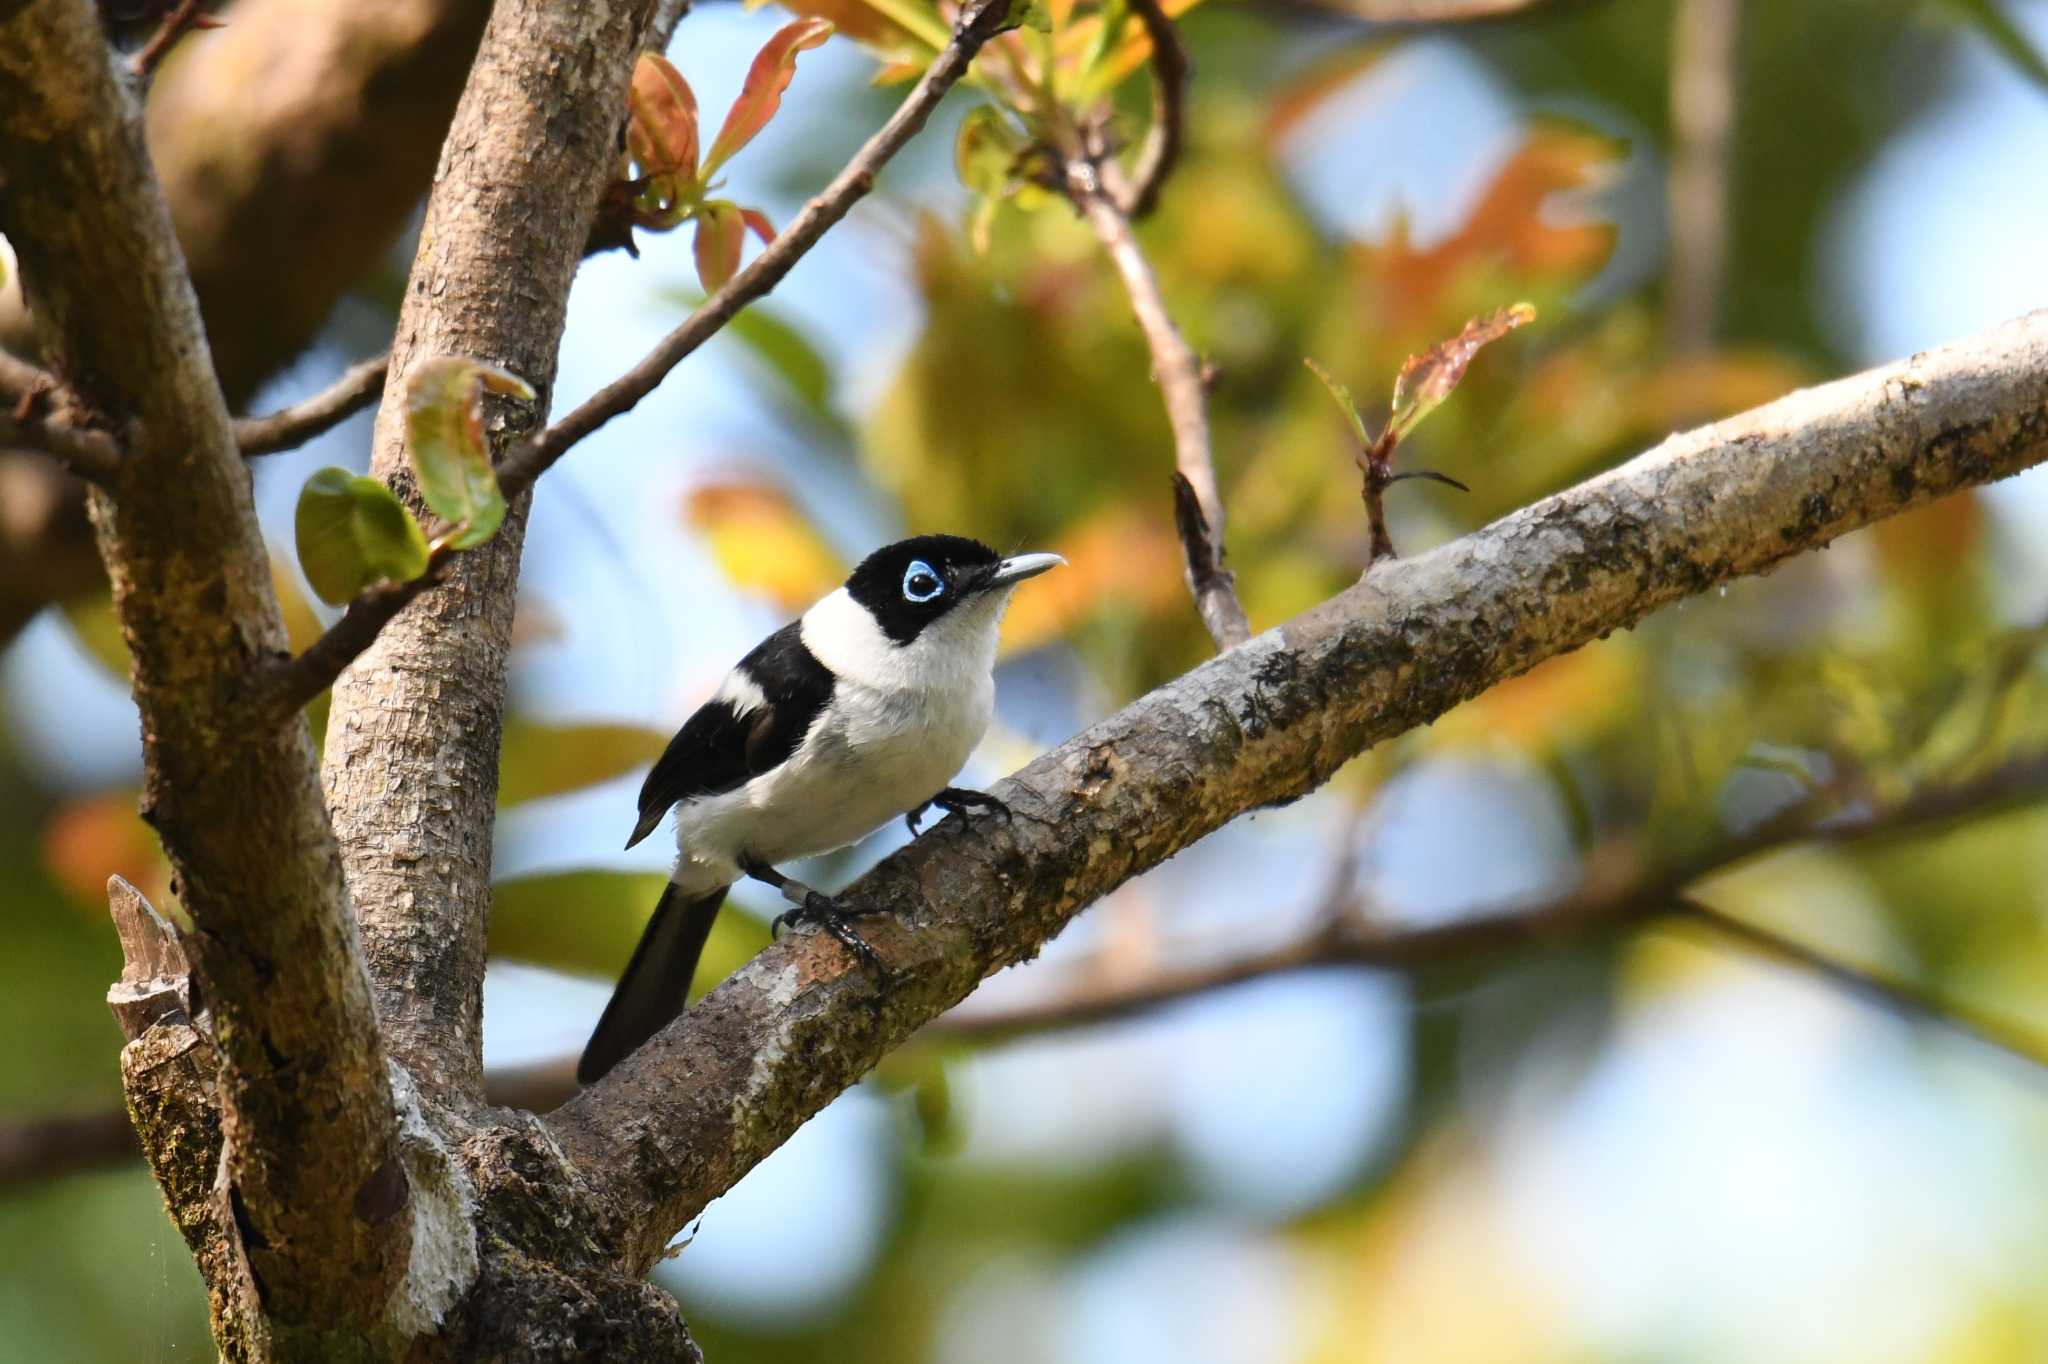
{"x": 958, "y": 650}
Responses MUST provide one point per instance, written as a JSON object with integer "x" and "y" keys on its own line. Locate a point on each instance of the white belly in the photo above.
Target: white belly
{"x": 873, "y": 757}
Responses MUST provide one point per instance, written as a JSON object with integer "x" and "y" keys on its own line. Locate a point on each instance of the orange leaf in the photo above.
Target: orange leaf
{"x": 662, "y": 134}
{"x": 720, "y": 229}
{"x": 88, "y": 840}
{"x": 763, "y": 543}
{"x": 757, "y": 223}
{"x": 1427, "y": 379}
{"x": 759, "y": 98}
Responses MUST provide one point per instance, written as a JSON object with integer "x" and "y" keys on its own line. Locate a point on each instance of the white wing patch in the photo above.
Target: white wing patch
{"x": 740, "y": 692}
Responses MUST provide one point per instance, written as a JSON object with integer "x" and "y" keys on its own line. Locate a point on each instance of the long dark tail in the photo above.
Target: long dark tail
{"x": 657, "y": 981}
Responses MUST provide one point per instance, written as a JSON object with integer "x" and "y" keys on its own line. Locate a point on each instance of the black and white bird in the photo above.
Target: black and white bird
{"x": 861, "y": 711}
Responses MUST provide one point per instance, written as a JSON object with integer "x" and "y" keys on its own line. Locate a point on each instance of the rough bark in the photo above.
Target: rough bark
{"x": 683, "y": 1119}
{"x": 306, "y": 1112}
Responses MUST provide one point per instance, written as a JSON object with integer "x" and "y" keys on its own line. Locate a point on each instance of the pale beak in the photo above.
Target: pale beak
{"x": 1019, "y": 567}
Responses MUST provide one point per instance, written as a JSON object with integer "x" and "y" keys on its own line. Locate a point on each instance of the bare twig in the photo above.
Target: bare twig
{"x": 288, "y": 685}
{"x": 1909, "y": 1002}
{"x": 188, "y": 15}
{"x": 1198, "y": 505}
{"x": 19, "y": 378}
{"x": 360, "y": 385}
{"x": 1161, "y": 149}
{"x": 93, "y": 455}
{"x": 1703, "y": 74}
{"x": 979, "y": 21}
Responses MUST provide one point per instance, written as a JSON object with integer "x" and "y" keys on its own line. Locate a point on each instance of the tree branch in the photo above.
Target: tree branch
{"x": 47, "y": 1148}
{"x": 1198, "y": 505}
{"x": 93, "y": 455}
{"x": 411, "y": 764}
{"x": 979, "y": 21}
{"x": 289, "y": 686}
{"x": 682, "y": 1119}
{"x": 287, "y": 429}
{"x": 304, "y": 1092}
{"x": 1909, "y": 1002}
{"x": 1161, "y": 149}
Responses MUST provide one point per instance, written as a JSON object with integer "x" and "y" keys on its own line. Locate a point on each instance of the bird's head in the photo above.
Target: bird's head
{"x": 929, "y": 602}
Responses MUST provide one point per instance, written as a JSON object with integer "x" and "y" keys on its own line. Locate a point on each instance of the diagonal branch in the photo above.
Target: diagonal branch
{"x": 46, "y": 1148}
{"x": 287, "y": 429}
{"x": 681, "y": 1120}
{"x": 1907, "y": 1001}
{"x": 1198, "y": 505}
{"x": 1161, "y": 149}
{"x": 288, "y": 686}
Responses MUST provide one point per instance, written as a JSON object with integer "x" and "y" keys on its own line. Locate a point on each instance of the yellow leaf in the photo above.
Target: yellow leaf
{"x": 763, "y": 543}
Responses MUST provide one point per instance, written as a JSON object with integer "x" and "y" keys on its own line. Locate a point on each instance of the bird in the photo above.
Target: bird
{"x": 862, "y": 710}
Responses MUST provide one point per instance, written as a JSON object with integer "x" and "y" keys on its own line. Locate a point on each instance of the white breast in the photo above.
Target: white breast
{"x": 903, "y": 721}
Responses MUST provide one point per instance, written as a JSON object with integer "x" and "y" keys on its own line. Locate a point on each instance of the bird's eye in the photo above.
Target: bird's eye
{"x": 920, "y": 583}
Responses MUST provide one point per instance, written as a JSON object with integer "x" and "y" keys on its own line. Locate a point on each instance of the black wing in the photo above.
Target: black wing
{"x": 721, "y": 747}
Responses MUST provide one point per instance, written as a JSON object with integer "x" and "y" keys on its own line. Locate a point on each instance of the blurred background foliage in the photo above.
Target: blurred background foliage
{"x": 1605, "y": 1135}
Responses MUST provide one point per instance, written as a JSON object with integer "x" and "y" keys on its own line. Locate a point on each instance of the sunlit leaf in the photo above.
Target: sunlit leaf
{"x": 353, "y": 532}
{"x": 587, "y": 922}
{"x": 758, "y": 224}
{"x": 766, "y": 79}
{"x": 444, "y": 419}
{"x": 720, "y": 230}
{"x": 540, "y": 760}
{"x": 986, "y": 149}
{"x": 662, "y": 133}
{"x": 1342, "y": 395}
{"x": 763, "y": 543}
{"x": 1427, "y": 379}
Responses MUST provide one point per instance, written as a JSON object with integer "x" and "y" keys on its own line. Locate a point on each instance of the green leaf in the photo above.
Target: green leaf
{"x": 759, "y": 98}
{"x": 796, "y": 365}
{"x": 1427, "y": 379}
{"x": 720, "y": 230}
{"x": 986, "y": 149}
{"x": 1343, "y": 397}
{"x": 353, "y": 532}
{"x": 588, "y": 922}
{"x": 540, "y": 760}
{"x": 1998, "y": 29}
{"x": 444, "y": 422}
{"x": 661, "y": 136}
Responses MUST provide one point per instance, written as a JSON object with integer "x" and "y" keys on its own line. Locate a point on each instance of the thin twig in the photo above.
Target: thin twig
{"x": 1198, "y": 505}
{"x": 19, "y": 378}
{"x": 93, "y": 455}
{"x": 288, "y": 428}
{"x": 289, "y": 684}
{"x": 1909, "y": 1002}
{"x": 1161, "y": 149}
{"x": 979, "y": 21}
{"x": 188, "y": 15}
{"x": 1703, "y": 74}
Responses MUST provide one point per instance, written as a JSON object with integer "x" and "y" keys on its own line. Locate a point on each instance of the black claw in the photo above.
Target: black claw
{"x": 957, "y": 800}
{"x": 824, "y": 912}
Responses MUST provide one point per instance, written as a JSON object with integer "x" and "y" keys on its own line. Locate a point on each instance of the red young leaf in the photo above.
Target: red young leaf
{"x": 762, "y": 94}
{"x": 758, "y": 223}
{"x": 662, "y": 134}
{"x": 1427, "y": 379}
{"x": 720, "y": 229}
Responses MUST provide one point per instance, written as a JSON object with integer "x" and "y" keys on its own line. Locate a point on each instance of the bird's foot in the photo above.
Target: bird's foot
{"x": 956, "y": 800}
{"x": 814, "y": 907}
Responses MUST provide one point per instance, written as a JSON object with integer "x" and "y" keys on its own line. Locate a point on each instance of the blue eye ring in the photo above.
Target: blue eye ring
{"x": 921, "y": 582}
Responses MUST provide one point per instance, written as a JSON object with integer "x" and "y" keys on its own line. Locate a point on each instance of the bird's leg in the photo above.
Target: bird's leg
{"x": 812, "y": 907}
{"x": 956, "y": 800}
